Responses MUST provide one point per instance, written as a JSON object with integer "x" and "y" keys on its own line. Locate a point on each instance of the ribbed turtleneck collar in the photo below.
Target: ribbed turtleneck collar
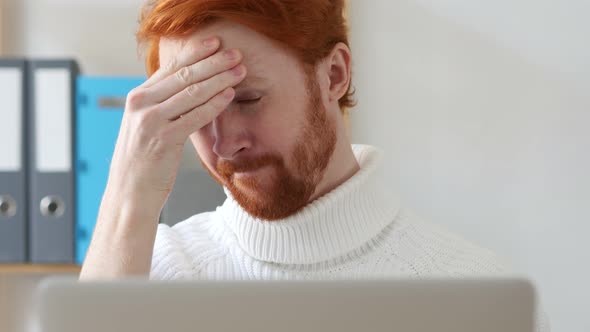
{"x": 330, "y": 226}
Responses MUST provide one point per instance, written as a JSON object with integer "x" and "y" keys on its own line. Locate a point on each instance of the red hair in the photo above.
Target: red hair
{"x": 310, "y": 28}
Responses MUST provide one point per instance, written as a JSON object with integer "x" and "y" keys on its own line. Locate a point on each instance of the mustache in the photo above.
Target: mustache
{"x": 227, "y": 168}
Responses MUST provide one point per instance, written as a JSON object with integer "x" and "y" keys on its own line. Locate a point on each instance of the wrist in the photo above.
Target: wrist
{"x": 132, "y": 198}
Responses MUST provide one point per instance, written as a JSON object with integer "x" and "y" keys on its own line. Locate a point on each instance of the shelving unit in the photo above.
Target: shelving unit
{"x": 6, "y": 269}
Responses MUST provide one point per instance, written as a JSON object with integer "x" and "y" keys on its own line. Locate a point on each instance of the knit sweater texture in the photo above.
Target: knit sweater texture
{"x": 358, "y": 230}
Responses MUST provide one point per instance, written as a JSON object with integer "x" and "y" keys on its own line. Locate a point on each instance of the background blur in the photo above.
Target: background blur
{"x": 482, "y": 108}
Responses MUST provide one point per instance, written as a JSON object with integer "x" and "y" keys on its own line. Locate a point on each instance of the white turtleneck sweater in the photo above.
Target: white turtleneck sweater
{"x": 357, "y": 230}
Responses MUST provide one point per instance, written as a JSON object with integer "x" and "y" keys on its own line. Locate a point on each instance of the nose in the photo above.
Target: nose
{"x": 230, "y": 134}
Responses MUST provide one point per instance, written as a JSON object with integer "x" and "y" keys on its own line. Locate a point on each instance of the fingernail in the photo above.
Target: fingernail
{"x": 230, "y": 54}
{"x": 228, "y": 93}
{"x": 210, "y": 42}
{"x": 238, "y": 70}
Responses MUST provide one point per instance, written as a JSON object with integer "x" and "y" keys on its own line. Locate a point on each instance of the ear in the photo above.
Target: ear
{"x": 339, "y": 63}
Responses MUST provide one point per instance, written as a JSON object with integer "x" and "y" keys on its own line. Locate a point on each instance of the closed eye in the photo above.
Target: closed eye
{"x": 248, "y": 101}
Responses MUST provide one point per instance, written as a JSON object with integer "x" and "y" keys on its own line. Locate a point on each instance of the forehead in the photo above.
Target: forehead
{"x": 259, "y": 52}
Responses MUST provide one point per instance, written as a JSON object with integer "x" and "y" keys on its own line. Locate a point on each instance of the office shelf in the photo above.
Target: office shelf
{"x": 39, "y": 269}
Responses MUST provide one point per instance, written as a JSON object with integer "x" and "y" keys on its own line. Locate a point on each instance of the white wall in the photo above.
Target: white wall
{"x": 483, "y": 109}
{"x": 99, "y": 34}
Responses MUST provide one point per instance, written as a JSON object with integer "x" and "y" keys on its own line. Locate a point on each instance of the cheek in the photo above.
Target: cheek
{"x": 282, "y": 134}
{"x": 276, "y": 132}
{"x": 281, "y": 121}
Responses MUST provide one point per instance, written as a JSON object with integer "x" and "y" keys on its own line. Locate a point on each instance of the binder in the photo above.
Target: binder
{"x": 51, "y": 171}
{"x": 99, "y": 111}
{"x": 13, "y": 173}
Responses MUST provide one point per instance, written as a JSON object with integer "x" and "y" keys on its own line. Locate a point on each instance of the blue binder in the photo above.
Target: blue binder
{"x": 100, "y": 106}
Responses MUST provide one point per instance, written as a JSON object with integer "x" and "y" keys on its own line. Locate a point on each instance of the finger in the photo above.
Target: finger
{"x": 190, "y": 53}
{"x": 200, "y": 116}
{"x": 195, "y": 73}
{"x": 199, "y": 93}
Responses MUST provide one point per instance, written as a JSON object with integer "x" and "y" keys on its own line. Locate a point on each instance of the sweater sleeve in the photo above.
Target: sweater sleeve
{"x": 459, "y": 257}
{"x": 169, "y": 260}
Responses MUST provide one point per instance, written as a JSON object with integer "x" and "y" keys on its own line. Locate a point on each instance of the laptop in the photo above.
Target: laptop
{"x": 401, "y": 305}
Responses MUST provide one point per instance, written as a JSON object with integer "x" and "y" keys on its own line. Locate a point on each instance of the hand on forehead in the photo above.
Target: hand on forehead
{"x": 229, "y": 35}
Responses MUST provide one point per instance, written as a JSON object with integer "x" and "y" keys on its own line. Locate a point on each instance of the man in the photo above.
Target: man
{"x": 260, "y": 88}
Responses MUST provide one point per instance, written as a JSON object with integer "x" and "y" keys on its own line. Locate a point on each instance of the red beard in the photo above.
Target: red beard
{"x": 287, "y": 192}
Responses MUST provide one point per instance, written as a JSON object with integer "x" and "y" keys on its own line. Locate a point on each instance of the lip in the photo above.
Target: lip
{"x": 250, "y": 172}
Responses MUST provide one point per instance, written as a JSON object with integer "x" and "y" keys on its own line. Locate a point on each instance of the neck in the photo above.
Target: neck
{"x": 341, "y": 167}
{"x": 333, "y": 225}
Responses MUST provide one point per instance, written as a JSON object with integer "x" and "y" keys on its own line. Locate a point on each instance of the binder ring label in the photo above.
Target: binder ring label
{"x": 7, "y": 206}
{"x": 52, "y": 206}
